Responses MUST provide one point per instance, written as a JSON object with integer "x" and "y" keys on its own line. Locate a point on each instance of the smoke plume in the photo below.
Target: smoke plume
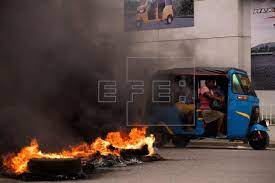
{"x": 52, "y": 53}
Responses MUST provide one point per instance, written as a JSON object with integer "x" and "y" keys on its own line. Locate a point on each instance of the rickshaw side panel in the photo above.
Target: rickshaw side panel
{"x": 237, "y": 124}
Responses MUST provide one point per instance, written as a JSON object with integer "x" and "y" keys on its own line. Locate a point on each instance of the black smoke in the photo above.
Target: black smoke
{"x": 52, "y": 53}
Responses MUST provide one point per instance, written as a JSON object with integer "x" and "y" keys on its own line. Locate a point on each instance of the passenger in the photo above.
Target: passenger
{"x": 218, "y": 105}
{"x": 207, "y": 97}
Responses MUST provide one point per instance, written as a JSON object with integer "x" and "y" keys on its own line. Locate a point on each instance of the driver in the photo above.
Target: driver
{"x": 207, "y": 97}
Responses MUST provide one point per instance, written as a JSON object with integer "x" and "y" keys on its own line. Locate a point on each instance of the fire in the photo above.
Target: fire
{"x": 135, "y": 140}
{"x": 18, "y": 162}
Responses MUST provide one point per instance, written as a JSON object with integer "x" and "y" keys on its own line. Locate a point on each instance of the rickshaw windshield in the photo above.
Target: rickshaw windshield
{"x": 242, "y": 85}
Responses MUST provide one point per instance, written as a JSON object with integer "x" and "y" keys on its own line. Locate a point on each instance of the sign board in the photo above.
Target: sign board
{"x": 158, "y": 14}
{"x": 263, "y": 44}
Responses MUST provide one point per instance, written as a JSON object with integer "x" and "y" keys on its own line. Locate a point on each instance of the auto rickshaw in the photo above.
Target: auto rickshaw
{"x": 154, "y": 11}
{"x": 180, "y": 118}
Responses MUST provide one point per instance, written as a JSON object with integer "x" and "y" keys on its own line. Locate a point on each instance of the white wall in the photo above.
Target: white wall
{"x": 220, "y": 37}
{"x": 272, "y": 133}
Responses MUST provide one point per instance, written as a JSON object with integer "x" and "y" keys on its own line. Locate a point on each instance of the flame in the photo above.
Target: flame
{"x": 135, "y": 140}
{"x": 114, "y": 142}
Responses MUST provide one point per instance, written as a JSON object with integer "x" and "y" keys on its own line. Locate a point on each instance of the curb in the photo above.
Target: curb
{"x": 224, "y": 143}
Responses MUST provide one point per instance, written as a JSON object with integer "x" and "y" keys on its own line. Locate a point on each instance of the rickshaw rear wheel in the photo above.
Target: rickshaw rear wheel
{"x": 161, "y": 136}
{"x": 180, "y": 141}
{"x": 259, "y": 140}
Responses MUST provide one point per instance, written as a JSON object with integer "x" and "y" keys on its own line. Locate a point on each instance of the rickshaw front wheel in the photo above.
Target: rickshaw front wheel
{"x": 259, "y": 140}
{"x": 180, "y": 141}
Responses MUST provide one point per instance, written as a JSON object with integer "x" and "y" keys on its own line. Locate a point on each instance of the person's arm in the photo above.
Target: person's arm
{"x": 212, "y": 97}
{"x": 207, "y": 93}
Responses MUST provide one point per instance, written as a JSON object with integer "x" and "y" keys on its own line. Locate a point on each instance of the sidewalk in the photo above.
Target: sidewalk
{"x": 222, "y": 143}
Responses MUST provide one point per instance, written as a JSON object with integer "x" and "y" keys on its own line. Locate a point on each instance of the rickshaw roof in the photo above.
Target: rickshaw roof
{"x": 209, "y": 71}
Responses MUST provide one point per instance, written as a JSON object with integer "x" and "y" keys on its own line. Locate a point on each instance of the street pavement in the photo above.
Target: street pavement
{"x": 194, "y": 165}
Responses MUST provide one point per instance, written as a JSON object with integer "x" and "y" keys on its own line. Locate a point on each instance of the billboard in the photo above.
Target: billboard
{"x": 263, "y": 44}
{"x": 158, "y": 14}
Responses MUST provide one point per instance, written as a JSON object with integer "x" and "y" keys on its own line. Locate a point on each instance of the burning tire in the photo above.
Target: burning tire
{"x": 180, "y": 141}
{"x": 259, "y": 140}
{"x": 55, "y": 166}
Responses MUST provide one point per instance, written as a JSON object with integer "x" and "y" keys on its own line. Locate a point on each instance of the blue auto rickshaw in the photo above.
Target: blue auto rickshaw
{"x": 180, "y": 119}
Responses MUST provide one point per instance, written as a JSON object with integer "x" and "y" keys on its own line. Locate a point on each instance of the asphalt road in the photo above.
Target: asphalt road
{"x": 194, "y": 165}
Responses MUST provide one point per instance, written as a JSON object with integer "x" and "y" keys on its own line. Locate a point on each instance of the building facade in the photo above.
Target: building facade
{"x": 220, "y": 37}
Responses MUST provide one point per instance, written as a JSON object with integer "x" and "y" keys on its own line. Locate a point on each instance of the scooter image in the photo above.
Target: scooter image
{"x": 154, "y": 11}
